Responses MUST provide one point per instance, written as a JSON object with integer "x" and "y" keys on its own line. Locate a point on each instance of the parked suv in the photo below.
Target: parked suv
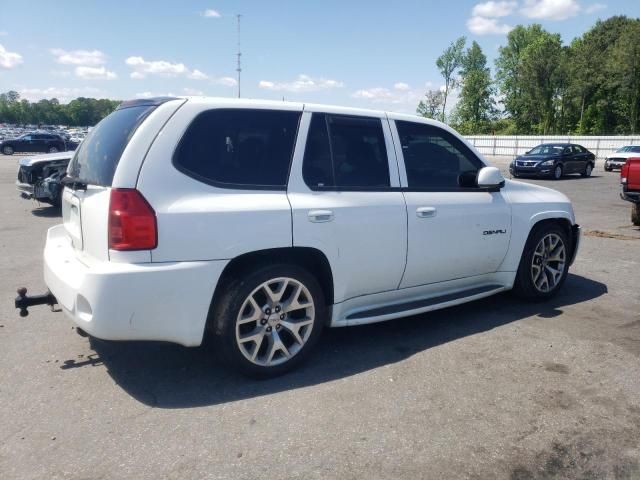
{"x": 259, "y": 223}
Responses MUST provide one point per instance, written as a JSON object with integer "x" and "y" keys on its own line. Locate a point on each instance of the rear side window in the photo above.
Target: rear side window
{"x": 345, "y": 152}
{"x": 436, "y": 159}
{"x": 239, "y": 148}
{"x": 97, "y": 157}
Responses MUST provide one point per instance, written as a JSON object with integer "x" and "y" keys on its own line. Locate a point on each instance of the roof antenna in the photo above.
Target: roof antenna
{"x": 239, "y": 54}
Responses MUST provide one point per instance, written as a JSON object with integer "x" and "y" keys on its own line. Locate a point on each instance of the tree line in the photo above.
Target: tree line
{"x": 589, "y": 87}
{"x": 79, "y": 112}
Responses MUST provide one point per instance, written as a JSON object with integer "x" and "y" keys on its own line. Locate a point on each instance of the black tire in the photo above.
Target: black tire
{"x": 53, "y": 150}
{"x": 607, "y": 169}
{"x": 557, "y": 172}
{"x": 225, "y": 310}
{"x": 635, "y": 214}
{"x": 587, "y": 170}
{"x": 524, "y": 286}
{"x": 7, "y": 150}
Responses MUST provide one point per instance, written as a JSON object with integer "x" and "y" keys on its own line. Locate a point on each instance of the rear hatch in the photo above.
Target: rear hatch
{"x": 90, "y": 175}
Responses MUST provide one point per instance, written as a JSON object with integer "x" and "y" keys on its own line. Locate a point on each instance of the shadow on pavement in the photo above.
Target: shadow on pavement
{"x": 46, "y": 211}
{"x": 170, "y": 376}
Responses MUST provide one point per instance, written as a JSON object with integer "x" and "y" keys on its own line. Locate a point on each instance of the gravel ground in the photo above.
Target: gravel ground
{"x": 493, "y": 389}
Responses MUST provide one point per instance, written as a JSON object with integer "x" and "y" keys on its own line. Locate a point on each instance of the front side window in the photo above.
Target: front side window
{"x": 239, "y": 148}
{"x": 436, "y": 159}
{"x": 345, "y": 152}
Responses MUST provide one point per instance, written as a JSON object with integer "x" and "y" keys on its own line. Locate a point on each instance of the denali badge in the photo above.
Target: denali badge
{"x": 493, "y": 232}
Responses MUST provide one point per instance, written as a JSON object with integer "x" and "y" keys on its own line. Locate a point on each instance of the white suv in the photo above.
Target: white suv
{"x": 259, "y": 223}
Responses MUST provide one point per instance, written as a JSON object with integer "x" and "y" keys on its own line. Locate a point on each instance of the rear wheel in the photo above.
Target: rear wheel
{"x": 53, "y": 150}
{"x": 544, "y": 263}
{"x": 266, "y": 322}
{"x": 557, "y": 172}
{"x": 7, "y": 150}
{"x": 635, "y": 214}
{"x": 587, "y": 170}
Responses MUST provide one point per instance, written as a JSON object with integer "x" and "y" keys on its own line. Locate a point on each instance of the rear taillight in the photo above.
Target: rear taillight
{"x": 132, "y": 221}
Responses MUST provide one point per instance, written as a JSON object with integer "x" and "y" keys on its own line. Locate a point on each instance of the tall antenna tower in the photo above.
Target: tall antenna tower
{"x": 239, "y": 54}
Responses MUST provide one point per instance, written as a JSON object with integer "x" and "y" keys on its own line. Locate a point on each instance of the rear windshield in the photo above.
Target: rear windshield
{"x": 98, "y": 155}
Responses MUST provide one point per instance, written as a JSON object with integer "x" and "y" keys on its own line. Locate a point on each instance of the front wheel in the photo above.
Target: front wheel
{"x": 53, "y": 150}
{"x": 266, "y": 322}
{"x": 544, "y": 263}
{"x": 587, "y": 170}
{"x": 7, "y": 150}
{"x": 635, "y": 214}
{"x": 557, "y": 172}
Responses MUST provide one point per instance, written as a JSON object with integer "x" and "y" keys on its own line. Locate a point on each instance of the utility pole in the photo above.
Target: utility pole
{"x": 239, "y": 68}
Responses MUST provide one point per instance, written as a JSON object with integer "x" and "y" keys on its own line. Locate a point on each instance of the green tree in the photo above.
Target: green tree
{"x": 431, "y": 105}
{"x": 625, "y": 59}
{"x": 448, "y": 63}
{"x": 475, "y": 106}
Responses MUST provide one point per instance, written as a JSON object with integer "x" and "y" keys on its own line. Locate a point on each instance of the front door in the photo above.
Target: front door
{"x": 455, "y": 230}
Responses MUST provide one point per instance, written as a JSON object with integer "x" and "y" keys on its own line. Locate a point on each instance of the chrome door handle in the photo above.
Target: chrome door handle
{"x": 426, "y": 212}
{"x": 319, "y": 216}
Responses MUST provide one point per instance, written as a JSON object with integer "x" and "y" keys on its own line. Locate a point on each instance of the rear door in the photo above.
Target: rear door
{"x": 346, "y": 202}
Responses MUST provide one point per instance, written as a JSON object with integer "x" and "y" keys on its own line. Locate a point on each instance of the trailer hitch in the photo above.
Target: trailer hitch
{"x": 23, "y": 302}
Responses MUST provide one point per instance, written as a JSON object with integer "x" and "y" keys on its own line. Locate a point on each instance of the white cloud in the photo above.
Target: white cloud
{"x": 401, "y": 86}
{"x": 197, "y": 75}
{"x": 94, "y": 73}
{"x": 596, "y": 7}
{"x": 395, "y": 96}
{"x": 142, "y": 67}
{"x": 153, "y": 94}
{"x": 91, "y": 58}
{"x": 550, "y": 9}
{"x": 62, "y": 94}
{"x": 192, "y": 92}
{"x": 494, "y": 9}
{"x": 487, "y": 26}
{"x": 303, "y": 83}
{"x": 8, "y": 59}
{"x": 226, "y": 81}
{"x": 211, "y": 13}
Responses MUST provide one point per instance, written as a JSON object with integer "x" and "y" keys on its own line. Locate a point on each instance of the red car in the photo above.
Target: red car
{"x": 630, "y": 180}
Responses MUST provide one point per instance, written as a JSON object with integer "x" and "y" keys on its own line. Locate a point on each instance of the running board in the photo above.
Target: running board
{"x": 416, "y": 305}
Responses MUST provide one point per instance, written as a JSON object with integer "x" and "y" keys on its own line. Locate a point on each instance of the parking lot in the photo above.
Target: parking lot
{"x": 492, "y": 389}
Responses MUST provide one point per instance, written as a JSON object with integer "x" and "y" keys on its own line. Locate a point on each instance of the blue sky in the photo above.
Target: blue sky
{"x": 359, "y": 53}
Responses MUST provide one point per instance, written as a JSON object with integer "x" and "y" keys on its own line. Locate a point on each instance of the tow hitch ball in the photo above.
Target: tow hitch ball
{"x": 23, "y": 302}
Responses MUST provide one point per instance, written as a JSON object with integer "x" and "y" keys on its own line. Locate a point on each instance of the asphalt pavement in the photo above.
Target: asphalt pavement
{"x": 493, "y": 389}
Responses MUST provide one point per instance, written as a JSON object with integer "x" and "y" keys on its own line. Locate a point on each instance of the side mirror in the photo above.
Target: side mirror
{"x": 490, "y": 178}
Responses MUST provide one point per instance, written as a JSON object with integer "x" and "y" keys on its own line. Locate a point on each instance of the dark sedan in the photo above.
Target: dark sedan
{"x": 554, "y": 160}
{"x": 33, "y": 142}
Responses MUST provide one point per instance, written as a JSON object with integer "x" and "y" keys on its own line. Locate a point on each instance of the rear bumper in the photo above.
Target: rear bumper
{"x": 124, "y": 301}
{"x": 630, "y": 196}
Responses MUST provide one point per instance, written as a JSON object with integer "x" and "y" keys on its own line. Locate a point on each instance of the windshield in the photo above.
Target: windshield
{"x": 546, "y": 150}
{"x": 98, "y": 155}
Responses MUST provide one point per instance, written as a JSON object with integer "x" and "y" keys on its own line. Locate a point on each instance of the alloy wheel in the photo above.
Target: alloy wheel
{"x": 548, "y": 262}
{"x": 557, "y": 172}
{"x": 275, "y": 321}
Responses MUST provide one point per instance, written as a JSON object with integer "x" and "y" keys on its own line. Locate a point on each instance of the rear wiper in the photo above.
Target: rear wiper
{"x": 73, "y": 183}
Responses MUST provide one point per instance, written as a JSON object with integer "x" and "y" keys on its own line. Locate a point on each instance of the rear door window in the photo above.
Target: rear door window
{"x": 345, "y": 152}
{"x": 96, "y": 158}
{"x": 239, "y": 148}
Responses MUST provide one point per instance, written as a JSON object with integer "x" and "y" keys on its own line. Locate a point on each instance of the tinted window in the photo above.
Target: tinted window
{"x": 96, "y": 159}
{"x": 634, "y": 149}
{"x": 434, "y": 158}
{"x": 345, "y": 152}
{"x": 239, "y": 148}
{"x": 578, "y": 149}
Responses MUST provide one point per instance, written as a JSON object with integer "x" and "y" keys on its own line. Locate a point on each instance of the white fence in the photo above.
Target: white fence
{"x": 519, "y": 144}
